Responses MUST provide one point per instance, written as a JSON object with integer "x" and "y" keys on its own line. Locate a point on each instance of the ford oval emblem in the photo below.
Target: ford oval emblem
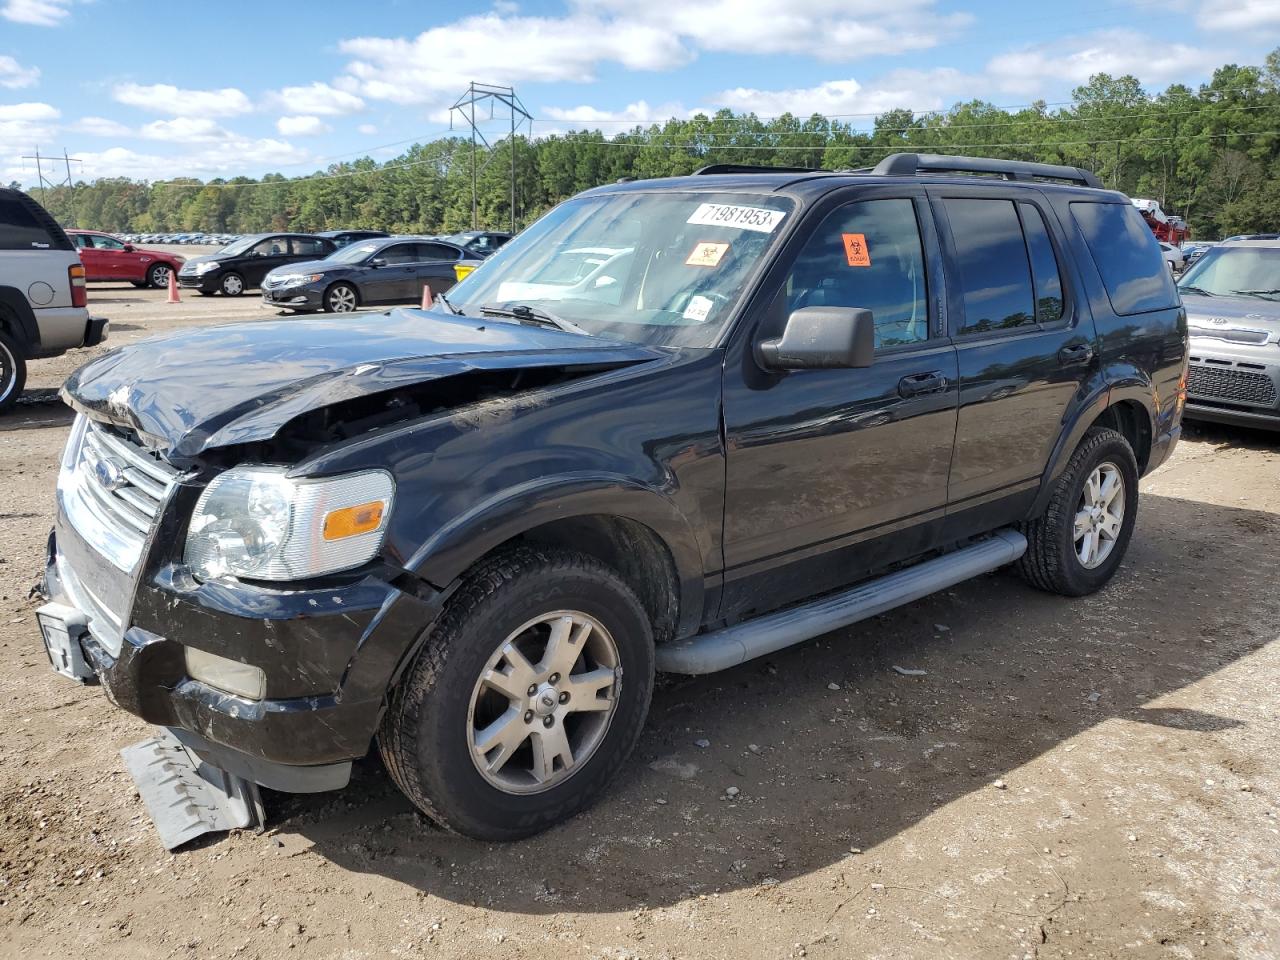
{"x": 110, "y": 474}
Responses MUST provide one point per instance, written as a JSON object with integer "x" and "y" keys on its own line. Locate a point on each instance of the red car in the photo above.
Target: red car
{"x": 107, "y": 258}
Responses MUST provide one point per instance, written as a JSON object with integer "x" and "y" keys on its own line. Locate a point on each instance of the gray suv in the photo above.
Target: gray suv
{"x": 43, "y": 310}
{"x": 1232, "y": 296}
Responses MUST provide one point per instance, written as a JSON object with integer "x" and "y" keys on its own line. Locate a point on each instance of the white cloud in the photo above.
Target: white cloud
{"x": 185, "y": 130}
{"x": 638, "y": 112}
{"x": 437, "y": 64}
{"x": 302, "y": 126}
{"x": 22, "y": 126}
{"x": 37, "y": 13}
{"x": 1074, "y": 60}
{"x": 1238, "y": 15}
{"x": 15, "y": 76}
{"x": 164, "y": 98}
{"x": 101, "y": 127}
{"x": 368, "y": 129}
{"x": 317, "y": 99}
{"x": 233, "y": 157}
{"x": 912, "y": 89}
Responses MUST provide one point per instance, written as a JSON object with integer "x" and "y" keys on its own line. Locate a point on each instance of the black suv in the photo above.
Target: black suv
{"x": 242, "y": 265}
{"x": 761, "y": 406}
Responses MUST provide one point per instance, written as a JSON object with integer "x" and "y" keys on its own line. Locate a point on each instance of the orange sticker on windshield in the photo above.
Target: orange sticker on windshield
{"x": 855, "y": 250}
{"x": 707, "y": 254}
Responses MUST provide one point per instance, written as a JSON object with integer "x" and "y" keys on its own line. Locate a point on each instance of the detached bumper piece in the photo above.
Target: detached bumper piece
{"x": 186, "y": 796}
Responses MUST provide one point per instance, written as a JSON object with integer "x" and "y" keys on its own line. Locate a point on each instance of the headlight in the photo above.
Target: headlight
{"x": 255, "y": 522}
{"x": 288, "y": 279}
{"x": 206, "y": 266}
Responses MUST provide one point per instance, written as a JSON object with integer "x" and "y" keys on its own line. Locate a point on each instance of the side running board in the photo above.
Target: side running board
{"x": 730, "y": 646}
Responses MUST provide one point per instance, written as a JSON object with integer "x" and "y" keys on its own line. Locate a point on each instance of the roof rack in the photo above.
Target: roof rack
{"x": 749, "y": 168}
{"x": 914, "y": 164}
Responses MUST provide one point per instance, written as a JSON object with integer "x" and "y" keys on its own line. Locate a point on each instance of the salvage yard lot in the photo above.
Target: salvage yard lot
{"x": 1089, "y": 778}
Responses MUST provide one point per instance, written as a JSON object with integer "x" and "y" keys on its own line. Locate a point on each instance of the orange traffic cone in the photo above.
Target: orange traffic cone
{"x": 173, "y": 287}
{"x": 426, "y": 296}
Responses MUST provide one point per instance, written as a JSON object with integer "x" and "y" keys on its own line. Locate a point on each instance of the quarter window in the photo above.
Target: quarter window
{"x": 1127, "y": 256}
{"x": 867, "y": 255}
{"x": 995, "y": 275}
{"x": 20, "y": 229}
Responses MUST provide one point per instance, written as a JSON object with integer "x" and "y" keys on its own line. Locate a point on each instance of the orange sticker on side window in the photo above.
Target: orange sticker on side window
{"x": 707, "y": 254}
{"x": 855, "y": 250}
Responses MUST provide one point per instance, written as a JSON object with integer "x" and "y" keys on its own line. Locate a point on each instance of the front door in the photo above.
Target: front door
{"x": 1024, "y": 338}
{"x": 263, "y": 257}
{"x": 396, "y": 279}
{"x": 832, "y": 473}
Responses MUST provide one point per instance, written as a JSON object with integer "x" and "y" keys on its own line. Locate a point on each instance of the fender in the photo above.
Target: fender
{"x": 448, "y": 552}
{"x": 28, "y": 330}
{"x": 1116, "y": 383}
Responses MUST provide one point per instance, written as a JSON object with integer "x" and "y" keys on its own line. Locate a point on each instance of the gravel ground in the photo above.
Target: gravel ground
{"x": 1087, "y": 778}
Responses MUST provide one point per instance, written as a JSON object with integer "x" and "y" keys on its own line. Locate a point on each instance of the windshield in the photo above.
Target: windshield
{"x": 351, "y": 253}
{"x": 1235, "y": 271}
{"x": 656, "y": 268}
{"x": 240, "y": 246}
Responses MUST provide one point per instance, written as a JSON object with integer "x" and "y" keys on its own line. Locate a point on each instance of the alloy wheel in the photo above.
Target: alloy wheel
{"x": 8, "y": 371}
{"x": 543, "y": 702}
{"x": 1099, "y": 515}
{"x": 342, "y": 299}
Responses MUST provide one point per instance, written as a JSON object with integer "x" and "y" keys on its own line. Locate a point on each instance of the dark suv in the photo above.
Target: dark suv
{"x": 242, "y": 265}
{"x": 779, "y": 402}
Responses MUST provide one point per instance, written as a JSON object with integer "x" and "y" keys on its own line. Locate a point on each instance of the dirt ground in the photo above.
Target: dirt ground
{"x": 1091, "y": 778}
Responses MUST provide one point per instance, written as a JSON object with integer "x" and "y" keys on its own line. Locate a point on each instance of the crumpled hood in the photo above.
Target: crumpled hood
{"x": 1224, "y": 314}
{"x": 218, "y": 386}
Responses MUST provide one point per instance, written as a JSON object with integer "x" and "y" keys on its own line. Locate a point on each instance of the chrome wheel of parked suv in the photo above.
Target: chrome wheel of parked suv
{"x": 526, "y": 697}
{"x": 13, "y": 372}
{"x": 340, "y": 298}
{"x": 158, "y": 275}
{"x": 1076, "y": 545}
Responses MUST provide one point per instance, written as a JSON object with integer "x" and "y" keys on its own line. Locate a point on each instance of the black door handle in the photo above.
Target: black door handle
{"x": 935, "y": 381}
{"x": 1074, "y": 354}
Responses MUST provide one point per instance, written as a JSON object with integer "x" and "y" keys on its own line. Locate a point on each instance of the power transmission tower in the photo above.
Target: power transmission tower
{"x": 48, "y": 183}
{"x": 465, "y": 107}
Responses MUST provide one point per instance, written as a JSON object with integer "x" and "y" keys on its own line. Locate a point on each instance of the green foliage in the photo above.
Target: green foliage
{"x": 1211, "y": 155}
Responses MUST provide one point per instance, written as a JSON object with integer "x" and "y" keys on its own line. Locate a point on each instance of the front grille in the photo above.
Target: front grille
{"x": 1226, "y": 383}
{"x": 112, "y": 489}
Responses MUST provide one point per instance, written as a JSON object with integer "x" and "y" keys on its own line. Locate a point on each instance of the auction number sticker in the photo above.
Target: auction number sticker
{"x": 759, "y": 219}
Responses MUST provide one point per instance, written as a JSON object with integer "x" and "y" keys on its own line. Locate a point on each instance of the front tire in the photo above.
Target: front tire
{"x": 528, "y": 695}
{"x": 232, "y": 285}
{"x": 341, "y": 298}
{"x": 158, "y": 276}
{"x": 13, "y": 371}
{"x": 1078, "y": 543}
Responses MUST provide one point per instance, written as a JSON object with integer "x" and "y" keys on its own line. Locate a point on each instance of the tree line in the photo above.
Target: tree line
{"x": 1211, "y": 155}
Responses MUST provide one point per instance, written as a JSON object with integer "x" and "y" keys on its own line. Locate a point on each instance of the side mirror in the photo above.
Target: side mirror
{"x": 377, "y": 262}
{"x": 822, "y": 338}
{"x": 128, "y": 248}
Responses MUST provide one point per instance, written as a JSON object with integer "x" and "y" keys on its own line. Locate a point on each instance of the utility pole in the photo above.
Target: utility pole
{"x": 466, "y": 108}
{"x": 48, "y": 183}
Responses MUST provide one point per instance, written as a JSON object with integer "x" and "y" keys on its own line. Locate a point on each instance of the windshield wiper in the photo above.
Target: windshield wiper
{"x": 1200, "y": 290}
{"x": 1257, "y": 293}
{"x": 527, "y": 314}
{"x": 452, "y": 309}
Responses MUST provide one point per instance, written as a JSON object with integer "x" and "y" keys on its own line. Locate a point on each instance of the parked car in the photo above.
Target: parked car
{"x": 43, "y": 301}
{"x": 1232, "y": 296}
{"x": 472, "y": 533}
{"x": 1172, "y": 256}
{"x": 1252, "y": 236}
{"x": 108, "y": 258}
{"x": 344, "y": 237}
{"x": 242, "y": 265}
{"x": 1193, "y": 251}
{"x": 479, "y": 243}
{"x": 392, "y": 270}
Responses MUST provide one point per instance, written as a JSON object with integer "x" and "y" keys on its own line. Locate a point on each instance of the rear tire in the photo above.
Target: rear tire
{"x": 13, "y": 371}
{"x": 489, "y": 673}
{"x": 1078, "y": 543}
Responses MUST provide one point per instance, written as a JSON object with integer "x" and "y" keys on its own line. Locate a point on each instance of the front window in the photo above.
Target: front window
{"x": 649, "y": 267}
{"x": 1235, "y": 271}
{"x": 238, "y": 247}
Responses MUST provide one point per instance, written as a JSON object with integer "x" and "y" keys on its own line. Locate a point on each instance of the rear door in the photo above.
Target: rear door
{"x": 831, "y": 473}
{"x": 1025, "y": 344}
{"x": 435, "y": 268}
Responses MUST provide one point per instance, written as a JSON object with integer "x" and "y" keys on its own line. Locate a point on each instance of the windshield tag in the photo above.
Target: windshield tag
{"x": 759, "y": 219}
{"x": 706, "y": 254}
{"x": 699, "y": 309}
{"x": 855, "y": 250}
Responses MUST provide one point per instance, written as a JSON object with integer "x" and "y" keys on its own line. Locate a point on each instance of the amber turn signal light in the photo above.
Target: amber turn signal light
{"x": 353, "y": 521}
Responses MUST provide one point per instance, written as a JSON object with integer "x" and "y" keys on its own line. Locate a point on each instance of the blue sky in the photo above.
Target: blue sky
{"x": 230, "y": 87}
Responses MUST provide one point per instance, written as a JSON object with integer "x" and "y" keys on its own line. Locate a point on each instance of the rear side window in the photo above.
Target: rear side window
{"x": 995, "y": 275}
{"x": 1127, "y": 256}
{"x": 309, "y": 246}
{"x": 1044, "y": 264}
{"x": 25, "y": 226}
{"x": 436, "y": 251}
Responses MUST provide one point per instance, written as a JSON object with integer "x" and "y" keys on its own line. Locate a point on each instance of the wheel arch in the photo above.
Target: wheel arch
{"x": 324, "y": 297}
{"x": 17, "y": 317}
{"x": 633, "y": 529}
